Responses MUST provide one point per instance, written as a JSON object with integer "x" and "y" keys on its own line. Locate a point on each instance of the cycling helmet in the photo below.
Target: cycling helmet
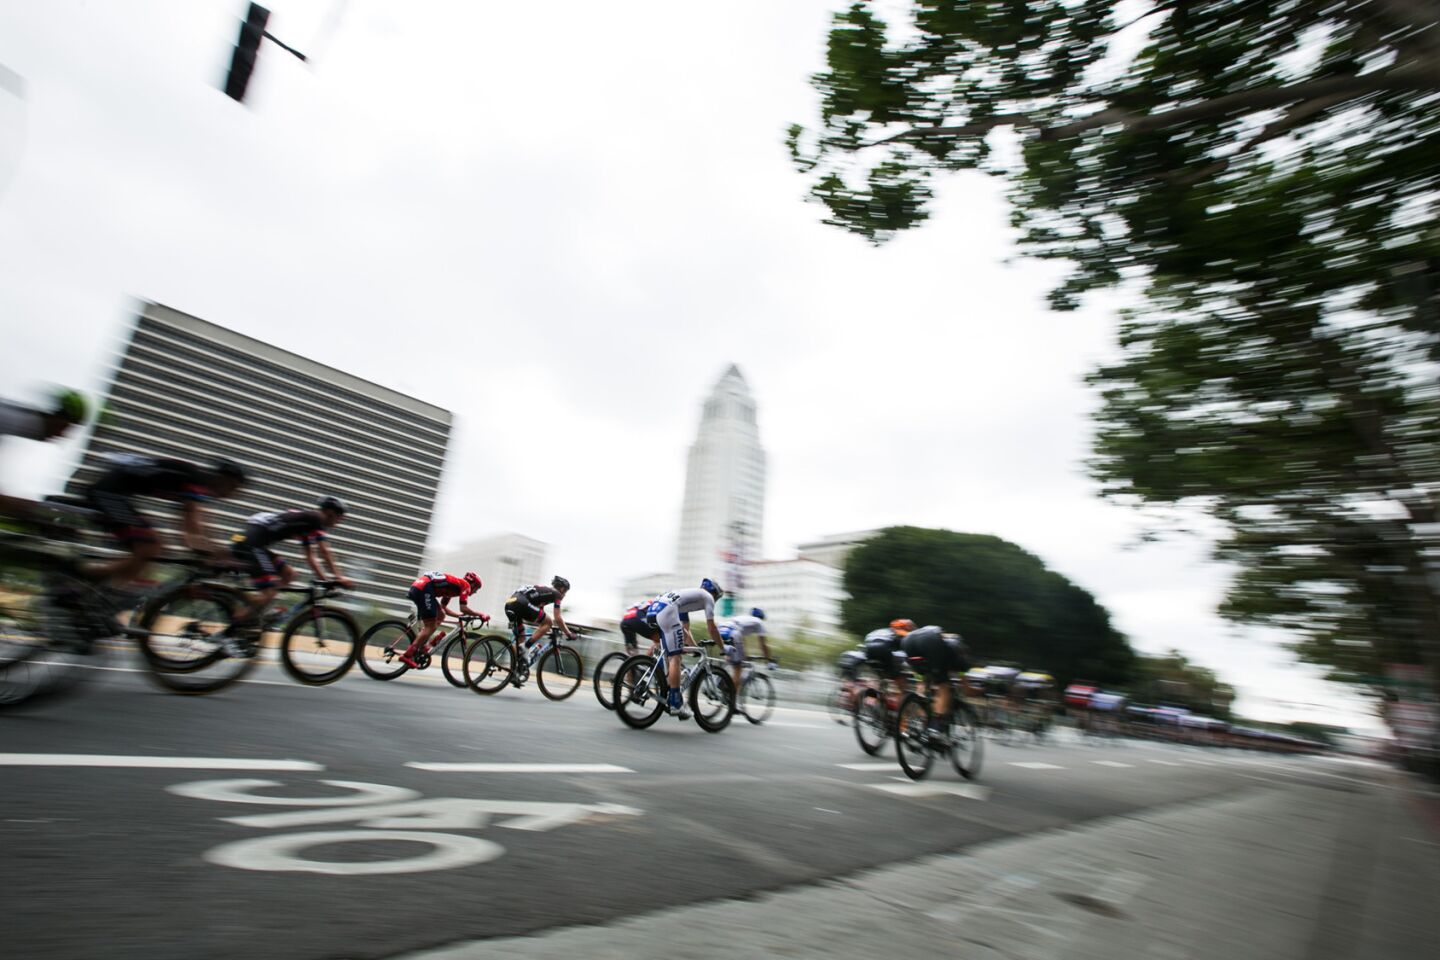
{"x": 902, "y": 626}
{"x": 560, "y": 583}
{"x": 712, "y": 588}
{"x": 228, "y": 470}
{"x": 473, "y": 579}
{"x": 757, "y": 613}
{"x": 333, "y": 503}
{"x": 69, "y": 404}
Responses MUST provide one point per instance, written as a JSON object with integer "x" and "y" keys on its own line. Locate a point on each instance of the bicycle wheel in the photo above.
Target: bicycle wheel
{"x": 319, "y": 646}
{"x": 712, "y": 700}
{"x": 381, "y": 646}
{"x": 452, "y": 659}
{"x": 604, "y": 678}
{"x": 871, "y": 728}
{"x": 966, "y": 748}
{"x": 912, "y": 736}
{"x": 636, "y": 695}
{"x": 489, "y": 665}
{"x": 559, "y": 672}
{"x": 43, "y": 637}
{"x": 757, "y": 698}
{"x": 185, "y": 631}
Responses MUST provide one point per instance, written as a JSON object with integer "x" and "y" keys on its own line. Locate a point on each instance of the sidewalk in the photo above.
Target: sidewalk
{"x": 1347, "y": 869}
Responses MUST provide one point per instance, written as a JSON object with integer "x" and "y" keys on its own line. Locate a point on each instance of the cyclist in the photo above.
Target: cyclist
{"x": 936, "y": 656}
{"x": 137, "y": 475}
{"x": 882, "y": 651}
{"x": 634, "y": 624}
{"x": 527, "y": 605}
{"x": 670, "y": 612}
{"x": 733, "y": 633}
{"x": 65, "y": 410}
{"x": 269, "y": 572}
{"x": 431, "y": 593}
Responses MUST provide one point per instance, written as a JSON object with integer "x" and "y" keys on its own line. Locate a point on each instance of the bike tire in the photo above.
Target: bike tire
{"x": 638, "y": 704}
{"x": 42, "y": 646}
{"x": 604, "y": 677}
{"x": 757, "y": 698}
{"x": 180, "y": 639}
{"x": 912, "y": 746}
{"x": 712, "y": 700}
{"x": 489, "y": 665}
{"x": 560, "y": 672}
{"x": 967, "y": 747}
{"x": 381, "y": 646}
{"x": 872, "y": 726}
{"x": 319, "y": 646}
{"x": 452, "y": 659}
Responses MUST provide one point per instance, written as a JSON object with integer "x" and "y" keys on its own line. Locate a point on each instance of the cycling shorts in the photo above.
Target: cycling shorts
{"x": 637, "y": 626}
{"x": 264, "y": 567}
{"x": 672, "y": 629}
{"x": 427, "y": 605}
{"x": 521, "y": 610}
{"x": 932, "y": 656}
{"x": 119, "y": 518}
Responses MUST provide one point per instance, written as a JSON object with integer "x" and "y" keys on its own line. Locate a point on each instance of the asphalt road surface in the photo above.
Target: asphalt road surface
{"x": 372, "y": 819}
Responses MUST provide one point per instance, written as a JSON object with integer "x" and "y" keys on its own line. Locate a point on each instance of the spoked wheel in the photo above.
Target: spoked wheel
{"x": 604, "y": 678}
{"x": 44, "y": 637}
{"x": 560, "y": 672}
{"x": 319, "y": 646}
{"x": 186, "y": 639}
{"x": 967, "y": 749}
{"x": 913, "y": 737}
{"x": 636, "y": 694}
{"x": 489, "y": 664}
{"x": 871, "y": 726}
{"x": 452, "y": 658}
{"x": 381, "y": 646}
{"x": 757, "y": 698}
{"x": 712, "y": 700}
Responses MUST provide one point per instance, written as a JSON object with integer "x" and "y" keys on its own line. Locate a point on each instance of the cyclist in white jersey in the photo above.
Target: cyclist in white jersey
{"x": 734, "y": 631}
{"x": 671, "y": 614}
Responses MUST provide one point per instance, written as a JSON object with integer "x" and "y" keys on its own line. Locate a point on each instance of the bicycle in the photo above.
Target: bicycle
{"x": 875, "y": 711}
{"x": 755, "y": 700}
{"x": 559, "y": 669}
{"x": 381, "y": 646}
{"x": 958, "y": 736}
{"x": 320, "y": 643}
{"x": 642, "y": 690}
{"x": 603, "y": 679}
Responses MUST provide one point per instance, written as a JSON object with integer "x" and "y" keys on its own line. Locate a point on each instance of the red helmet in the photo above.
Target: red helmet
{"x": 473, "y": 579}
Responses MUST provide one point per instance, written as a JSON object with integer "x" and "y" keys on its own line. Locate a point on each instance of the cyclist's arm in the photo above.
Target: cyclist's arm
{"x": 329, "y": 558}
{"x": 560, "y": 622}
{"x": 192, "y": 529}
{"x": 764, "y": 647}
{"x": 714, "y": 631}
{"x": 314, "y": 563}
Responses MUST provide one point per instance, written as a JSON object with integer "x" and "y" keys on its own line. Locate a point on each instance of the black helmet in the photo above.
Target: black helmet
{"x": 228, "y": 470}
{"x": 560, "y": 583}
{"x": 333, "y": 503}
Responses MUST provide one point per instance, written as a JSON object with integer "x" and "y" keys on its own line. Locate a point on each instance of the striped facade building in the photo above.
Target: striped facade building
{"x": 187, "y": 388}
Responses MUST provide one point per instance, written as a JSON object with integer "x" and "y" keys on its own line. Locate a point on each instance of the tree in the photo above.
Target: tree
{"x": 1264, "y": 177}
{"x": 1000, "y": 598}
{"x": 1174, "y": 680}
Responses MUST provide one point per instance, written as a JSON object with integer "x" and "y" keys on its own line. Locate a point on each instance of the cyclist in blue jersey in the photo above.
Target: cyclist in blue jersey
{"x": 670, "y": 613}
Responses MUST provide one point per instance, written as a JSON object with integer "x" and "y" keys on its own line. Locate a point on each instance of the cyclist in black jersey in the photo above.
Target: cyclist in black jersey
{"x": 527, "y": 605}
{"x": 132, "y": 475}
{"x": 936, "y": 656}
{"x": 269, "y": 571}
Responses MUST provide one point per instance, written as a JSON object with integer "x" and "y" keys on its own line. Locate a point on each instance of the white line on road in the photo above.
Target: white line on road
{"x": 519, "y": 767}
{"x": 150, "y": 763}
{"x": 873, "y": 765}
{"x": 1167, "y": 763}
{"x": 1112, "y": 763}
{"x": 1036, "y": 765}
{"x": 967, "y": 790}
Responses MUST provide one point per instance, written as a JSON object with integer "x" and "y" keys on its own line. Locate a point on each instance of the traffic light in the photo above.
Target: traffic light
{"x": 242, "y": 64}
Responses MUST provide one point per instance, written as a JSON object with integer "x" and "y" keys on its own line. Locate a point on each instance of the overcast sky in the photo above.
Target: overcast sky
{"x": 562, "y": 221}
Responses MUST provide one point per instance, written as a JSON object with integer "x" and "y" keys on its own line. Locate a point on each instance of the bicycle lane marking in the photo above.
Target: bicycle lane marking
{"x": 518, "y": 767}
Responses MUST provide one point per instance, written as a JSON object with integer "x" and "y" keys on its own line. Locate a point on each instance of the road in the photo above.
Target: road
{"x": 279, "y": 821}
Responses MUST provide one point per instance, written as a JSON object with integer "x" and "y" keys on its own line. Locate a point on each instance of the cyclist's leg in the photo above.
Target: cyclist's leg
{"x": 672, "y": 639}
{"x": 130, "y": 527}
{"x": 266, "y": 576}
{"x": 427, "y": 609}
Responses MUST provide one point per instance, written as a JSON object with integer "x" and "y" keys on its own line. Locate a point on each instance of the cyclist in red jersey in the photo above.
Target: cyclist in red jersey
{"x": 431, "y": 593}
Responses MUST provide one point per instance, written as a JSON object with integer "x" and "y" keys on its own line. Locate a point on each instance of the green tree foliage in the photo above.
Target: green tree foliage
{"x": 1172, "y": 679}
{"x": 1265, "y": 176}
{"x": 1000, "y": 598}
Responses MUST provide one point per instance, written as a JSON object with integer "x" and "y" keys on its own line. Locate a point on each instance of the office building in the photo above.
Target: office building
{"x": 503, "y": 563}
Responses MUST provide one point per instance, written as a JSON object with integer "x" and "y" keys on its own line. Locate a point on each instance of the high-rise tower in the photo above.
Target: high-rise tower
{"x": 722, "y": 520}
